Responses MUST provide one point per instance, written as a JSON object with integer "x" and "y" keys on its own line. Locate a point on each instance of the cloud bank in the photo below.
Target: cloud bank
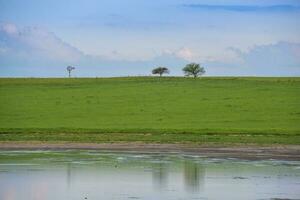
{"x": 34, "y": 51}
{"x": 279, "y": 59}
{"x": 34, "y": 43}
{"x": 244, "y": 8}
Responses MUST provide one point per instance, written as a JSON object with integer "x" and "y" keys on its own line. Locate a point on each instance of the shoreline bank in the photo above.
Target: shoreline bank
{"x": 284, "y": 152}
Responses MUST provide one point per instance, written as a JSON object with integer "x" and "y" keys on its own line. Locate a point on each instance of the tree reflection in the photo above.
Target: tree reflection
{"x": 160, "y": 176}
{"x": 69, "y": 174}
{"x": 193, "y": 176}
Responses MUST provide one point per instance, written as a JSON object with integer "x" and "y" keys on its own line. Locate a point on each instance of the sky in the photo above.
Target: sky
{"x": 103, "y": 38}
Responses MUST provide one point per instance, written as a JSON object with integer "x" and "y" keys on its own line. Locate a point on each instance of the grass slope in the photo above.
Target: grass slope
{"x": 151, "y": 109}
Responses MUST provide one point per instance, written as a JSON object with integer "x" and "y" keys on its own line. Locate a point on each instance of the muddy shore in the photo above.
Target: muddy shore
{"x": 289, "y": 152}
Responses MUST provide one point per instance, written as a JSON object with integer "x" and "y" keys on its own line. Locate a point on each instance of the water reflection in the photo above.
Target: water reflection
{"x": 160, "y": 175}
{"x": 69, "y": 175}
{"x": 194, "y": 175}
{"x": 126, "y": 176}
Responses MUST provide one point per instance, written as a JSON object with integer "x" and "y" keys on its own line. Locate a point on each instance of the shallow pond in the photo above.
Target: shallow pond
{"x": 74, "y": 174}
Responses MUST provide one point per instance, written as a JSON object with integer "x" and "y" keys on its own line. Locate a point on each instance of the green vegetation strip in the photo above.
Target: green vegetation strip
{"x": 151, "y": 109}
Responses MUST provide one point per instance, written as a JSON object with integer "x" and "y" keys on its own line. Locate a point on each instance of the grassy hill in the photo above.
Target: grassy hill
{"x": 151, "y": 109}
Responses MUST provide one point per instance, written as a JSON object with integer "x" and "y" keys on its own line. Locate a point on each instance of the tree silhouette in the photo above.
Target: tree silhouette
{"x": 160, "y": 71}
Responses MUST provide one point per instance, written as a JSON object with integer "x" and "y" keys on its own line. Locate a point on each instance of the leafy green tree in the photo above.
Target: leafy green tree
{"x": 193, "y": 69}
{"x": 160, "y": 71}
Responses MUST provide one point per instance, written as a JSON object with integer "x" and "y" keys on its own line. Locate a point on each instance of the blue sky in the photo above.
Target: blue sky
{"x": 130, "y": 37}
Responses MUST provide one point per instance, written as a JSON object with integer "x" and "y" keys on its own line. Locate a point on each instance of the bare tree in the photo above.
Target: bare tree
{"x": 193, "y": 69}
{"x": 69, "y": 69}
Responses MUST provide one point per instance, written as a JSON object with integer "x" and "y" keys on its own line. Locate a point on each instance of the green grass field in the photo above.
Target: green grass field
{"x": 151, "y": 109}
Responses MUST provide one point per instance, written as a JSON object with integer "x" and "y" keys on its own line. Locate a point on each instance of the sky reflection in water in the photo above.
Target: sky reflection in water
{"x": 43, "y": 175}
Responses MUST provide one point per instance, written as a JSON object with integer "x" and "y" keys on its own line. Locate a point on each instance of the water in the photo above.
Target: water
{"x": 78, "y": 175}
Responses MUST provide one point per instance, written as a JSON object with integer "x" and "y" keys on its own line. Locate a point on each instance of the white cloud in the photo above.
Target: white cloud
{"x": 280, "y": 54}
{"x": 9, "y": 28}
{"x": 33, "y": 51}
{"x": 28, "y": 42}
{"x": 278, "y": 59}
{"x": 185, "y": 53}
{"x": 228, "y": 55}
